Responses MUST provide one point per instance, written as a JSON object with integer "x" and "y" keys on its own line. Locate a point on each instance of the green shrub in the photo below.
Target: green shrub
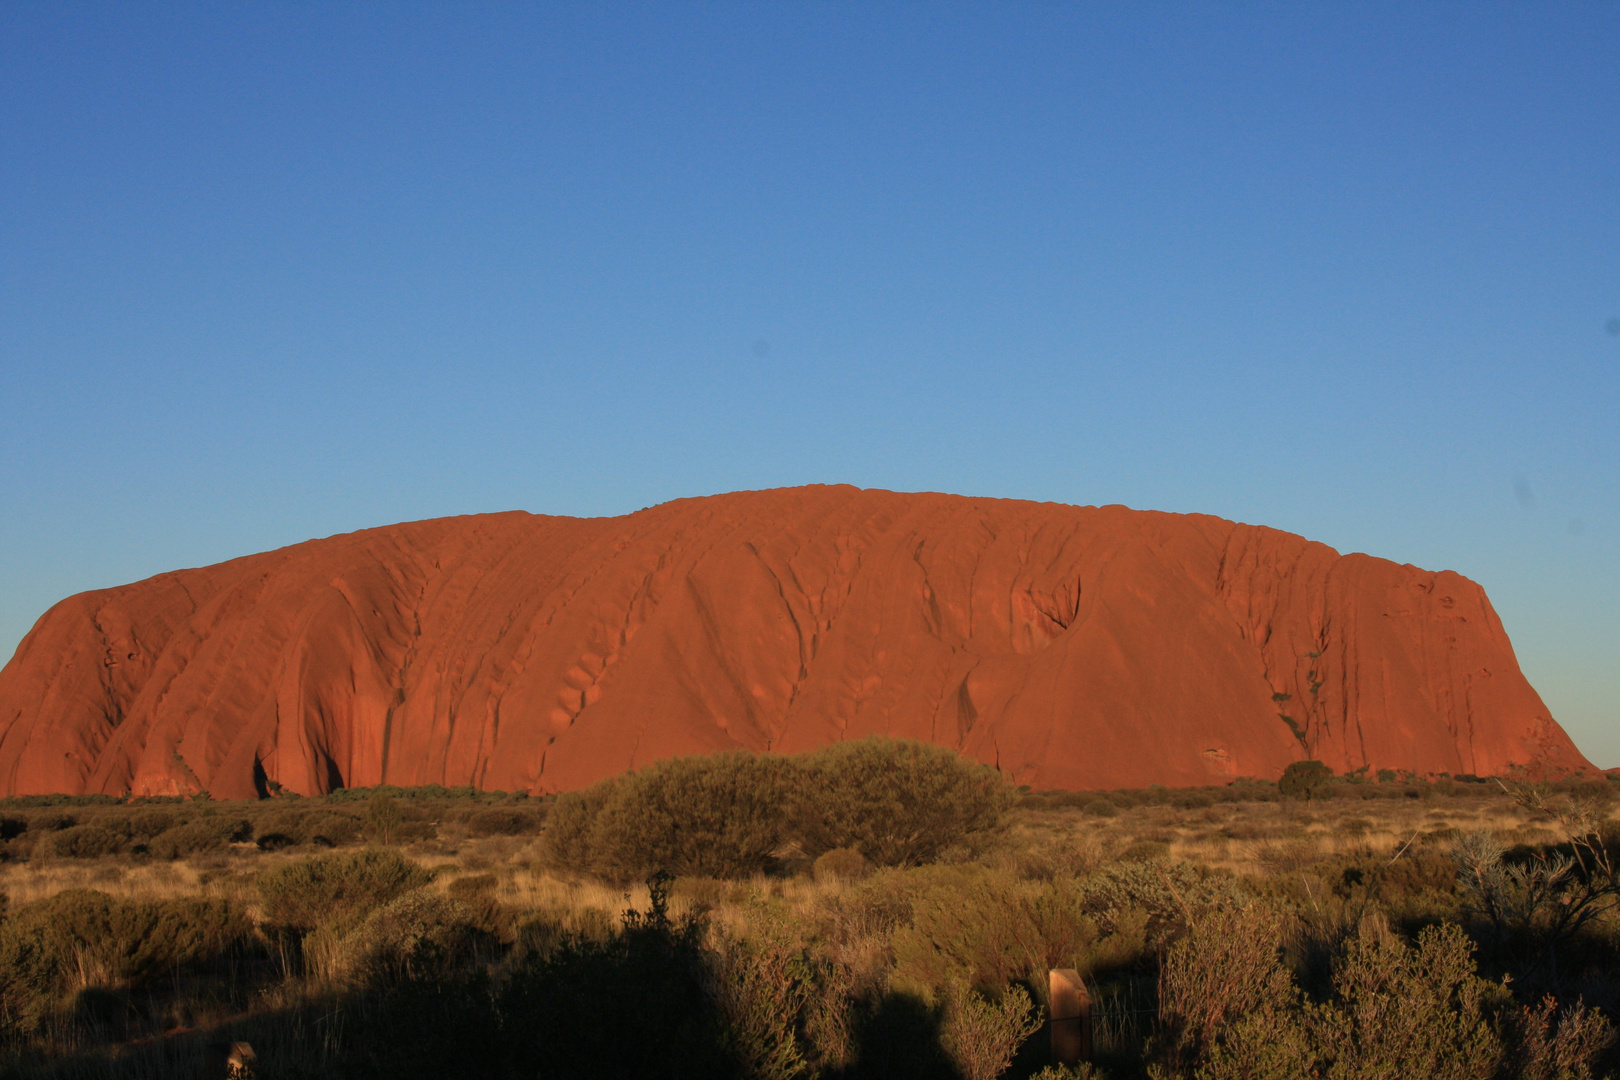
{"x": 306, "y": 894}
{"x": 1229, "y": 1010}
{"x": 764, "y": 987}
{"x": 1410, "y": 1011}
{"x": 1101, "y": 808}
{"x": 1167, "y": 896}
{"x": 1084, "y": 1070}
{"x": 304, "y": 823}
{"x": 285, "y": 821}
{"x": 502, "y": 821}
{"x": 1304, "y": 780}
{"x": 734, "y": 814}
{"x": 841, "y": 864}
{"x": 476, "y": 894}
{"x": 1226, "y": 968}
{"x": 200, "y": 835}
{"x": 382, "y": 818}
{"x": 568, "y": 1006}
{"x": 413, "y": 936}
{"x": 900, "y": 803}
{"x": 50, "y": 821}
{"x": 80, "y": 938}
{"x": 714, "y": 816}
{"x": 987, "y": 929}
{"x": 568, "y": 828}
{"x": 1145, "y": 851}
{"x": 149, "y": 823}
{"x": 83, "y": 842}
{"x": 331, "y": 829}
{"x": 473, "y": 885}
{"x": 982, "y": 1035}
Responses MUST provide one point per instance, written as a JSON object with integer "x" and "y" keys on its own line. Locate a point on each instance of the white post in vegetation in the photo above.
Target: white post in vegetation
{"x": 232, "y": 1061}
{"x": 1069, "y": 1004}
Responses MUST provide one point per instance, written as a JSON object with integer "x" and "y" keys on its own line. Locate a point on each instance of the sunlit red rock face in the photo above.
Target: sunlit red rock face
{"x": 1072, "y": 647}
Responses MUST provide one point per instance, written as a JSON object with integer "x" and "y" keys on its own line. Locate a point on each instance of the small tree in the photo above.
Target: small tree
{"x": 1301, "y": 779}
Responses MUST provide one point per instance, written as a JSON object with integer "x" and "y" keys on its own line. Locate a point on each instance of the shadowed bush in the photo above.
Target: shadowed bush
{"x": 306, "y": 894}
{"x": 203, "y": 834}
{"x": 414, "y": 936}
{"x": 568, "y": 829}
{"x": 986, "y": 930}
{"x": 82, "y": 939}
{"x": 149, "y": 823}
{"x": 1229, "y": 1009}
{"x": 83, "y": 842}
{"x": 503, "y": 821}
{"x": 632, "y": 1005}
{"x": 982, "y": 1035}
{"x": 841, "y": 864}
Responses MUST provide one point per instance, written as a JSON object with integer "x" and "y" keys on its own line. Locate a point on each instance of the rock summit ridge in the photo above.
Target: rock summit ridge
{"x": 1071, "y": 647}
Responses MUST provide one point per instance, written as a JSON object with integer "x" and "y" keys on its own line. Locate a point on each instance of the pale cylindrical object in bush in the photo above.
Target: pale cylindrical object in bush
{"x": 1070, "y": 1010}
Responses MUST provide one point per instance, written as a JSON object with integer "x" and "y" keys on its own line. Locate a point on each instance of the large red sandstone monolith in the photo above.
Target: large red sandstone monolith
{"x": 1072, "y": 647}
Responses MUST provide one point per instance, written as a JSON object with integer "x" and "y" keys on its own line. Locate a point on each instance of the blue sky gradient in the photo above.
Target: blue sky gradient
{"x": 270, "y": 272}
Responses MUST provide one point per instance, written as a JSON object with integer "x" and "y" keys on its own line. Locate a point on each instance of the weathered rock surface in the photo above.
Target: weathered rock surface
{"x": 1072, "y": 647}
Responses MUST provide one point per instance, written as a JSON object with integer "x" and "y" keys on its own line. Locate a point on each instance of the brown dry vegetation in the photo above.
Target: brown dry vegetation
{"x": 1223, "y": 932}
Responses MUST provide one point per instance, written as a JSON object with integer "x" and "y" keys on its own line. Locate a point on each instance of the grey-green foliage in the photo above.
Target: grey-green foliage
{"x": 1083, "y": 1070}
{"x": 1533, "y": 908}
{"x": 766, "y": 988}
{"x": 1302, "y": 779}
{"x": 1549, "y": 1043}
{"x": 1229, "y": 1010}
{"x": 982, "y": 1035}
{"x": 715, "y": 816}
{"x": 1507, "y": 896}
{"x": 898, "y": 802}
{"x": 504, "y": 821}
{"x": 1412, "y": 1011}
{"x": 149, "y": 823}
{"x": 728, "y": 815}
{"x": 83, "y": 842}
{"x": 203, "y": 834}
{"x": 1225, "y": 970}
{"x": 383, "y": 818}
{"x": 568, "y": 829}
{"x": 81, "y": 938}
{"x": 413, "y": 936}
{"x": 1168, "y": 895}
{"x": 988, "y": 929}
{"x": 305, "y": 894}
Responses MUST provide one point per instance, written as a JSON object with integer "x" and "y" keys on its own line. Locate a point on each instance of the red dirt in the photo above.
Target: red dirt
{"x": 1072, "y": 647}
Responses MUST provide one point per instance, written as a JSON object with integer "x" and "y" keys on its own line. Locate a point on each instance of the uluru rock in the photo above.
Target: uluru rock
{"x": 1071, "y": 647}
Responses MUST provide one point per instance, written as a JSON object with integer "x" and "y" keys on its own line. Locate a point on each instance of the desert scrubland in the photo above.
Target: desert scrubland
{"x": 877, "y": 909}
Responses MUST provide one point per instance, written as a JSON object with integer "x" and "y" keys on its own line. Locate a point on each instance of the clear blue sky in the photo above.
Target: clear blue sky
{"x": 270, "y": 272}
